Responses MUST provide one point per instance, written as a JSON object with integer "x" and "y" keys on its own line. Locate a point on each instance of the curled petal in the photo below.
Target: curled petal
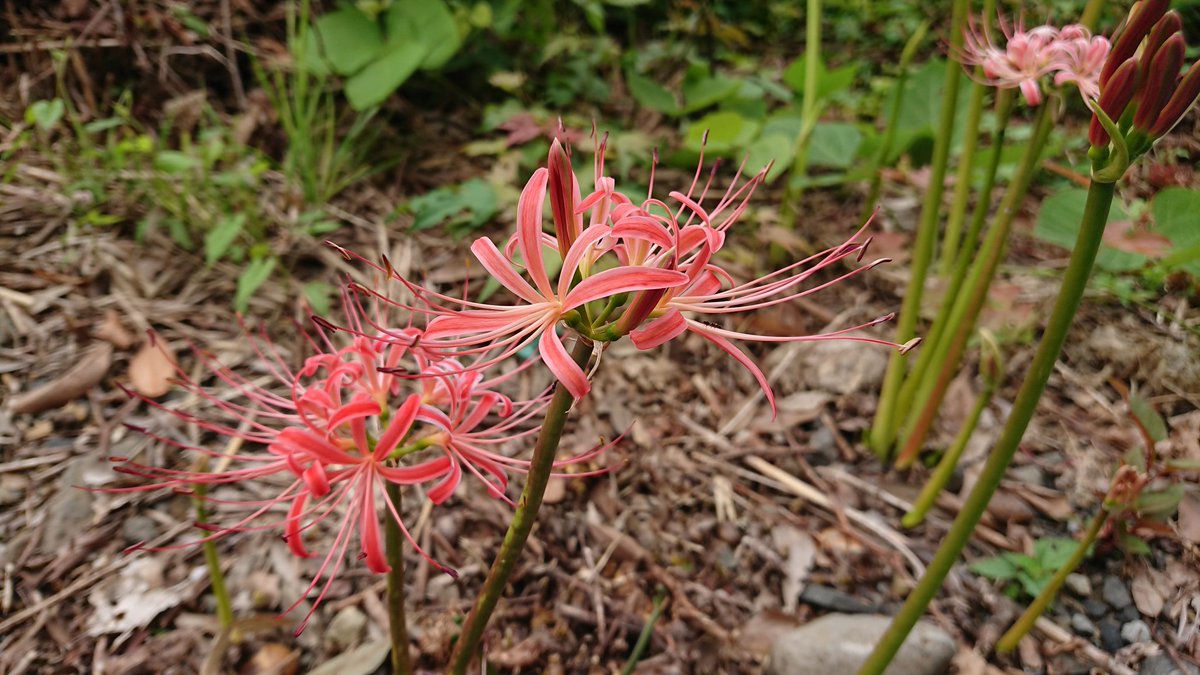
{"x": 556, "y": 358}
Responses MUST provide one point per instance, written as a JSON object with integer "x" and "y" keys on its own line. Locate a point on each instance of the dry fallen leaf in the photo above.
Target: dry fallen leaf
{"x": 273, "y": 658}
{"x": 1189, "y": 518}
{"x": 86, "y": 373}
{"x": 112, "y": 330}
{"x": 362, "y": 660}
{"x": 151, "y": 369}
{"x": 1147, "y": 590}
{"x": 801, "y": 551}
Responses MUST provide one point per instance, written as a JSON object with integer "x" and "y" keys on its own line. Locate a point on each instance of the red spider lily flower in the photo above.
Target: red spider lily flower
{"x": 689, "y": 234}
{"x": 1027, "y": 57}
{"x": 1079, "y": 58}
{"x": 494, "y": 332}
{"x": 330, "y": 437}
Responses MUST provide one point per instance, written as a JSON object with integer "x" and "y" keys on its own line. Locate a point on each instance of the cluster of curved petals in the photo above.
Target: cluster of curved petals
{"x": 1071, "y": 54}
{"x": 328, "y": 438}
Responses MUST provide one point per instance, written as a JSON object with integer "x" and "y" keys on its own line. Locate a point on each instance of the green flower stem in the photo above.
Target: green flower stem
{"x": 397, "y": 621}
{"x": 889, "y": 132}
{"x": 962, "y": 180}
{"x": 809, "y": 110}
{"x": 1091, "y": 231}
{"x": 946, "y": 465}
{"x": 1091, "y": 14}
{"x": 883, "y": 431}
{"x": 643, "y": 641}
{"x": 530, "y": 501}
{"x": 1024, "y": 624}
{"x": 211, "y": 559}
{"x": 929, "y": 383}
{"x": 1005, "y": 101}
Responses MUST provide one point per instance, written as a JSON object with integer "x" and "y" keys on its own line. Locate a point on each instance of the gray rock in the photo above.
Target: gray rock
{"x": 137, "y": 529}
{"x": 1110, "y": 634}
{"x": 346, "y": 628}
{"x": 1116, "y": 593}
{"x": 1135, "y": 631}
{"x": 1078, "y": 584}
{"x": 1030, "y": 474}
{"x": 1095, "y": 608}
{"x": 839, "y": 643}
{"x": 1161, "y": 664}
{"x": 833, "y": 600}
{"x": 1083, "y": 625}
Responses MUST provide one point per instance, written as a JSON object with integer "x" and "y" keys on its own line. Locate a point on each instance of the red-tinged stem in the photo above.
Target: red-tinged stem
{"x": 397, "y": 619}
{"x": 1083, "y": 257}
{"x": 524, "y": 517}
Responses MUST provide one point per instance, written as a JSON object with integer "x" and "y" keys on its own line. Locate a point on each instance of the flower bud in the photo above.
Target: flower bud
{"x": 1114, "y": 99}
{"x": 563, "y": 190}
{"x": 1167, "y": 26}
{"x": 1183, "y": 98}
{"x": 1141, "y": 19}
{"x": 1160, "y": 82}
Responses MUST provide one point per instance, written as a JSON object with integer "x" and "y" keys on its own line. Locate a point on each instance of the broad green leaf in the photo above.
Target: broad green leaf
{"x": 174, "y": 162}
{"x": 460, "y": 207}
{"x": 829, "y": 82}
{"x": 428, "y": 22}
{"x": 727, "y": 132}
{"x": 319, "y": 295}
{"x": 771, "y": 148}
{"x": 349, "y": 39}
{"x": 1148, "y": 417}
{"x": 375, "y": 83}
{"x": 220, "y": 238}
{"x": 650, "y": 94}
{"x": 96, "y": 126}
{"x": 45, "y": 114}
{"x": 1175, "y": 211}
{"x": 998, "y": 567}
{"x": 1058, "y": 223}
{"x": 834, "y": 145}
{"x": 1160, "y": 503}
{"x": 253, "y": 277}
{"x": 1134, "y": 544}
{"x": 1184, "y": 464}
{"x": 701, "y": 89}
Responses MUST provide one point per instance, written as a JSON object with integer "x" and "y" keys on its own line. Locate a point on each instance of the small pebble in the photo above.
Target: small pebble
{"x": 1163, "y": 664}
{"x": 1129, "y": 613}
{"x": 1116, "y": 593}
{"x": 1095, "y": 608}
{"x": 1135, "y": 631}
{"x": 1030, "y": 474}
{"x": 1083, "y": 625}
{"x": 1110, "y": 634}
{"x": 1078, "y": 584}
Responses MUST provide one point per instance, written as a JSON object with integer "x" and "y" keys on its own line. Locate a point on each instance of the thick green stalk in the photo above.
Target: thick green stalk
{"x": 946, "y": 465}
{"x": 808, "y": 110}
{"x": 889, "y": 132}
{"x": 962, "y": 178}
{"x": 1091, "y": 13}
{"x": 397, "y": 621}
{"x": 1024, "y": 624}
{"x": 929, "y": 384}
{"x": 524, "y": 516}
{"x": 883, "y": 431}
{"x": 1005, "y": 101}
{"x": 1091, "y": 231}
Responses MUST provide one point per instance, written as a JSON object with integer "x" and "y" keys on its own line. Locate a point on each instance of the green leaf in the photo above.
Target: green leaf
{"x": 1148, "y": 417}
{"x": 1160, "y": 503}
{"x": 96, "y": 126}
{"x": 1175, "y": 210}
{"x": 829, "y": 82}
{"x": 650, "y": 94}
{"x": 319, "y": 295}
{"x": 375, "y": 83}
{"x": 1134, "y": 544}
{"x": 1184, "y": 464}
{"x": 998, "y": 567}
{"x": 427, "y": 22}
{"x": 834, "y": 145}
{"x": 727, "y": 132}
{"x": 349, "y": 39}
{"x": 702, "y": 89}
{"x": 254, "y": 276}
{"x": 220, "y": 238}
{"x": 1054, "y": 552}
{"x": 1058, "y": 223}
{"x": 45, "y": 114}
{"x": 174, "y": 162}
{"x": 460, "y": 207}
{"x": 771, "y": 148}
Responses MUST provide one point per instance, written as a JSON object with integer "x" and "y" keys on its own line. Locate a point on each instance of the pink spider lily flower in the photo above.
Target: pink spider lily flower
{"x": 494, "y": 332}
{"x": 328, "y": 437}
{"x": 1079, "y": 59}
{"x": 691, "y": 234}
{"x": 1026, "y": 57}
